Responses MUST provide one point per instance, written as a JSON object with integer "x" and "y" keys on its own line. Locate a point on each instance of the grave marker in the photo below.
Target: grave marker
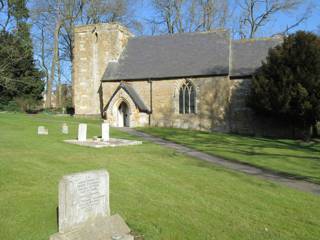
{"x": 105, "y": 132}
{"x": 42, "y": 130}
{"x": 84, "y": 210}
{"x": 65, "y": 129}
{"x": 83, "y": 196}
{"x": 82, "y": 132}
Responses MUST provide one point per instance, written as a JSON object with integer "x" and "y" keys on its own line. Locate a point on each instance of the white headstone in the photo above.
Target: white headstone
{"x": 65, "y": 129}
{"x": 83, "y": 196}
{"x": 42, "y": 130}
{"x": 105, "y": 132}
{"x": 82, "y": 132}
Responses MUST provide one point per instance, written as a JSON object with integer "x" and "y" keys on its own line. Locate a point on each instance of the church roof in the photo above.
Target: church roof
{"x": 178, "y": 55}
{"x": 188, "y": 55}
{"x": 247, "y": 55}
{"x": 134, "y": 96}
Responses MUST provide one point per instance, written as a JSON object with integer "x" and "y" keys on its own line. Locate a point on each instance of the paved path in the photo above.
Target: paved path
{"x": 240, "y": 167}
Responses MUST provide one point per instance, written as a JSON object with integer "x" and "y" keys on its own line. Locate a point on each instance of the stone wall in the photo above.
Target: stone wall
{"x": 212, "y": 96}
{"x": 220, "y": 106}
{"x": 243, "y": 120}
{"x": 94, "y": 46}
{"x": 212, "y": 101}
{"x": 240, "y": 117}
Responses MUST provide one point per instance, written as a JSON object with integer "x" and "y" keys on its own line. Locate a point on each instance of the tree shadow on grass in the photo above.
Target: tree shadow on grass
{"x": 244, "y": 146}
{"x": 232, "y": 140}
{"x": 268, "y": 171}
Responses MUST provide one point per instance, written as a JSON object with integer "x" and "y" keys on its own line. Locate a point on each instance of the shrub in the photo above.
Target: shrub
{"x": 11, "y": 106}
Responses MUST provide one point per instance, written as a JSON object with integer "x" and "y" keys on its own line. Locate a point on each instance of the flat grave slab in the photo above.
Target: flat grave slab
{"x": 98, "y": 143}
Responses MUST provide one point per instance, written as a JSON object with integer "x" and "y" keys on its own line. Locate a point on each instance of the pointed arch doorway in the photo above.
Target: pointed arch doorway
{"x": 123, "y": 115}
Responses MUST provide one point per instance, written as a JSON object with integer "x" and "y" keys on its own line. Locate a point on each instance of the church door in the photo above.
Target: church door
{"x": 123, "y": 115}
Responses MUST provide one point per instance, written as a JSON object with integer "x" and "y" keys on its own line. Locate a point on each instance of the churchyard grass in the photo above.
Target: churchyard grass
{"x": 160, "y": 193}
{"x": 292, "y": 157}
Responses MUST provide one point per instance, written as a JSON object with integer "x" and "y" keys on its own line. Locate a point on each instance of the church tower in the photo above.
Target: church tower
{"x": 94, "y": 47}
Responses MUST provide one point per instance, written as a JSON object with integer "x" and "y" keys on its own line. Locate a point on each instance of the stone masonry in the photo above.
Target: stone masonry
{"x": 95, "y": 46}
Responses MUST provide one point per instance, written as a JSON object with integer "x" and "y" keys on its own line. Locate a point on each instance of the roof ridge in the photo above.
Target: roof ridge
{"x": 257, "y": 39}
{"x": 220, "y": 30}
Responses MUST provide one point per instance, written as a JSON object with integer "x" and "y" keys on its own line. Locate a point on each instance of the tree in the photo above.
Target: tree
{"x": 19, "y": 77}
{"x": 59, "y": 18}
{"x": 287, "y": 86}
{"x": 176, "y": 16}
{"x": 255, "y": 14}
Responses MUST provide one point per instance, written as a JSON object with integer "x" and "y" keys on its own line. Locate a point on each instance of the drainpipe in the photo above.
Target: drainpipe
{"x": 150, "y": 112}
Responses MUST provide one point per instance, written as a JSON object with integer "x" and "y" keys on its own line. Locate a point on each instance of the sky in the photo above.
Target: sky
{"x": 144, "y": 11}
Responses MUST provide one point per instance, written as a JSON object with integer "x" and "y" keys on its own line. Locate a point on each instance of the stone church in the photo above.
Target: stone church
{"x": 188, "y": 80}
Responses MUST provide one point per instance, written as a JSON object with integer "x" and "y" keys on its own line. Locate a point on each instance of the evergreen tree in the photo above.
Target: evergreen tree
{"x": 287, "y": 86}
{"x": 19, "y": 77}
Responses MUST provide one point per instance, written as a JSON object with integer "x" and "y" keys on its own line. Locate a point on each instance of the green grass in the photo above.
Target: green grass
{"x": 160, "y": 193}
{"x": 286, "y": 156}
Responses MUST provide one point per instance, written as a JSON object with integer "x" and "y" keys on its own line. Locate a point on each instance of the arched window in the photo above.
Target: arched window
{"x": 187, "y": 99}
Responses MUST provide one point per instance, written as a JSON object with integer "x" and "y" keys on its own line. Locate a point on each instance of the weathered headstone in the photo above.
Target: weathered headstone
{"x": 82, "y": 132}
{"x": 42, "y": 130}
{"x": 88, "y": 194}
{"x": 105, "y": 132}
{"x": 65, "y": 129}
{"x": 84, "y": 211}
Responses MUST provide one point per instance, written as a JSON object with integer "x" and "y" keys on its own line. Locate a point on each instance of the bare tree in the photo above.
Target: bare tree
{"x": 92, "y": 12}
{"x": 214, "y": 13}
{"x": 189, "y": 15}
{"x": 43, "y": 54}
{"x": 255, "y": 14}
{"x": 167, "y": 16}
{"x": 64, "y": 15}
{"x": 46, "y": 16}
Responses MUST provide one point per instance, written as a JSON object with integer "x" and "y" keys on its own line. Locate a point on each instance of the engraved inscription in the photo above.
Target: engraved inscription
{"x": 89, "y": 195}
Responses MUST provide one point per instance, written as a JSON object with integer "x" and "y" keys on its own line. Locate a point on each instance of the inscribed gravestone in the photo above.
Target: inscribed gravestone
{"x": 84, "y": 211}
{"x": 82, "y": 132}
{"x": 81, "y": 197}
{"x": 65, "y": 129}
{"x": 105, "y": 132}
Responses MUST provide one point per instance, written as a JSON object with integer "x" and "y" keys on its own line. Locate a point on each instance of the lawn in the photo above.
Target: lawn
{"x": 160, "y": 193}
{"x": 292, "y": 157}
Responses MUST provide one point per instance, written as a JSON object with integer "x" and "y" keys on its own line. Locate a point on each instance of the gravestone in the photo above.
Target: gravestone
{"x": 89, "y": 195}
{"x": 84, "y": 210}
{"x": 82, "y": 132}
{"x": 105, "y": 132}
{"x": 65, "y": 129}
{"x": 42, "y": 130}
